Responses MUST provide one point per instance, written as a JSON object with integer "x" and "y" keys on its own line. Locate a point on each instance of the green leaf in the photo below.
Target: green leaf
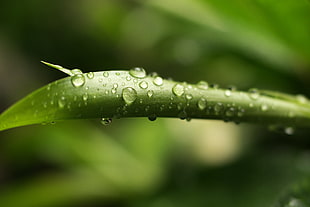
{"x": 116, "y": 94}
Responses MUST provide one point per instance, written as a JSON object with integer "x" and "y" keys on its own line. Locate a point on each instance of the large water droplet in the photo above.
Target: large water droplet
{"x": 143, "y": 84}
{"x": 106, "y": 121}
{"x": 254, "y": 93}
{"x": 158, "y": 81}
{"x": 202, "y": 85}
{"x": 129, "y": 95}
{"x": 78, "y": 80}
{"x": 178, "y": 90}
{"x": 137, "y": 72}
{"x": 202, "y": 103}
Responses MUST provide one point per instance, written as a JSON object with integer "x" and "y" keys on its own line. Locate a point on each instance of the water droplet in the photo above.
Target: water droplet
{"x": 202, "y": 85}
{"x": 254, "y": 93}
{"x": 85, "y": 96}
{"x": 158, "y": 81}
{"x": 264, "y": 107}
{"x": 230, "y": 112}
{"x": 301, "y": 99}
{"x": 152, "y": 117}
{"x": 202, "y": 103}
{"x": 188, "y": 96}
{"x": 129, "y": 95}
{"x": 150, "y": 93}
{"x": 128, "y": 78}
{"x": 227, "y": 93}
{"x": 182, "y": 115}
{"x": 105, "y": 74}
{"x": 76, "y": 72}
{"x": 240, "y": 112}
{"x": 143, "y": 84}
{"x": 62, "y": 102}
{"x": 48, "y": 87}
{"x": 100, "y": 80}
{"x": 115, "y": 85}
{"x": 178, "y": 89}
{"x": 137, "y": 72}
{"x": 106, "y": 121}
{"x": 218, "y": 107}
{"x": 117, "y": 73}
{"x": 113, "y": 90}
{"x": 289, "y": 130}
{"x": 90, "y": 75}
{"x": 78, "y": 80}
{"x": 214, "y": 86}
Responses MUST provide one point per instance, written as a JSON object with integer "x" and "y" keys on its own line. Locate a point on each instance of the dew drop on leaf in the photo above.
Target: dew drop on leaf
{"x": 178, "y": 90}
{"x": 188, "y": 97}
{"x": 227, "y": 93}
{"x": 105, "y": 74}
{"x": 202, "y": 85}
{"x": 90, "y": 75}
{"x": 85, "y": 96}
{"x": 158, "y": 81}
{"x": 264, "y": 107}
{"x": 78, "y": 80}
{"x": 129, "y": 95}
{"x": 76, "y": 72}
{"x": 106, "y": 121}
{"x": 62, "y": 102}
{"x": 137, "y": 72}
{"x": 143, "y": 84}
{"x": 289, "y": 130}
{"x": 202, "y": 103}
{"x": 253, "y": 93}
{"x": 150, "y": 93}
{"x": 152, "y": 117}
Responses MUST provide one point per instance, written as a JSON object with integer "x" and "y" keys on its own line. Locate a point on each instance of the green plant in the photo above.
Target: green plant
{"x": 116, "y": 94}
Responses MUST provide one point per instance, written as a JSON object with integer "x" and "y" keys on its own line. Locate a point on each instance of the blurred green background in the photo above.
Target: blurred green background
{"x": 167, "y": 163}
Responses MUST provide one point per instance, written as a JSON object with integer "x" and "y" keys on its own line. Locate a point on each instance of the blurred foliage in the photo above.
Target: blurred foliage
{"x": 134, "y": 162}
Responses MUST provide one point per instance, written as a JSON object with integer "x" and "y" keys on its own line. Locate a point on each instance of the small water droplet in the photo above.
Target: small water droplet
{"x": 106, "y": 74}
{"x": 143, "y": 84}
{"x": 62, "y": 102}
{"x": 76, "y": 71}
{"x": 117, "y": 73}
{"x": 137, "y": 72}
{"x": 85, "y": 96}
{"x": 218, "y": 107}
{"x": 100, "y": 80}
{"x": 115, "y": 85}
{"x": 150, "y": 93}
{"x": 129, "y": 95}
{"x": 90, "y": 75}
{"x": 289, "y": 130}
{"x": 202, "y": 103}
{"x": 78, "y": 80}
{"x": 230, "y": 112}
{"x": 48, "y": 87}
{"x": 202, "y": 85}
{"x": 128, "y": 78}
{"x": 301, "y": 99}
{"x": 158, "y": 81}
{"x": 182, "y": 115}
{"x": 113, "y": 90}
{"x": 240, "y": 112}
{"x": 214, "y": 86}
{"x": 227, "y": 93}
{"x": 178, "y": 89}
{"x": 254, "y": 93}
{"x": 106, "y": 121}
{"x": 189, "y": 96}
{"x": 264, "y": 107}
{"x": 152, "y": 117}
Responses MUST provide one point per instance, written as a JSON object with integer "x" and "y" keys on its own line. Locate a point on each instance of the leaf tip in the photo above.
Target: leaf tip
{"x": 58, "y": 67}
